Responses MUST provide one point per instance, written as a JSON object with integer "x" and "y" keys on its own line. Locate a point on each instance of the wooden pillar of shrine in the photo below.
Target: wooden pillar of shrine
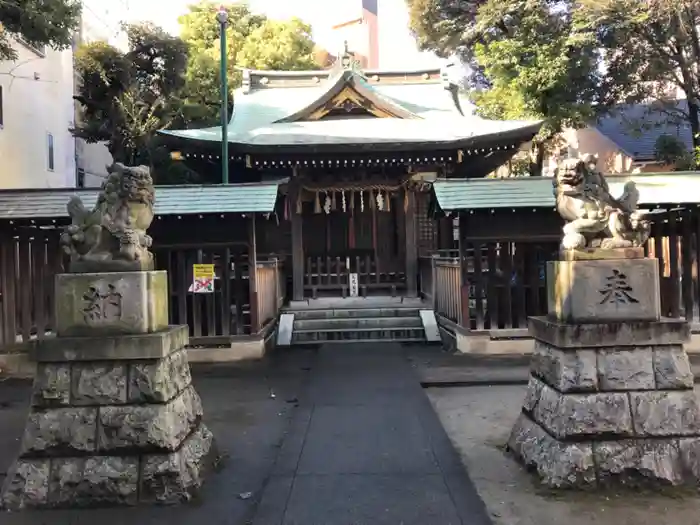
{"x": 297, "y": 244}
{"x": 411, "y": 244}
{"x": 253, "y": 276}
{"x": 463, "y": 270}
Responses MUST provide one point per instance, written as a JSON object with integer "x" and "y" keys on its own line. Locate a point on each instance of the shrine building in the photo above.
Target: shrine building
{"x": 354, "y": 155}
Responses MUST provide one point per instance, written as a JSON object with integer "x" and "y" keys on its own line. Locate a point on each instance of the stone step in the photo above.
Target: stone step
{"x": 355, "y": 312}
{"x": 405, "y": 340}
{"x": 354, "y": 323}
{"x": 374, "y": 334}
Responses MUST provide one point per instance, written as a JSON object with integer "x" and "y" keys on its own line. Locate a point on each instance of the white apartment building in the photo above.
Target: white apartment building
{"x": 36, "y": 112}
{"x": 37, "y": 109}
{"x": 102, "y": 20}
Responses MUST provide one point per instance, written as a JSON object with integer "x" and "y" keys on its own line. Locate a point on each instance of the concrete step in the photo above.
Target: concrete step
{"x": 355, "y": 312}
{"x": 366, "y": 334}
{"x": 356, "y": 323}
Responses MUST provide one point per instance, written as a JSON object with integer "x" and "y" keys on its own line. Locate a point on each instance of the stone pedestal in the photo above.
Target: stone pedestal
{"x": 610, "y": 401}
{"x": 114, "y": 419}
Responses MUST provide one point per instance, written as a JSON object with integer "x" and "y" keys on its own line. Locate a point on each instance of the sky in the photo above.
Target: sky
{"x": 400, "y": 50}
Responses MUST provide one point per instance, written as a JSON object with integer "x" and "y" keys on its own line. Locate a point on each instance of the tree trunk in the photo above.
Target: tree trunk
{"x": 536, "y": 159}
{"x": 694, "y": 119}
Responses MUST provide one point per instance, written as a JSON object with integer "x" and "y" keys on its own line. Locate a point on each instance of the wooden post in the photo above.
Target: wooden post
{"x": 411, "y": 245}
{"x": 297, "y": 245}
{"x": 253, "y": 276}
{"x": 463, "y": 273}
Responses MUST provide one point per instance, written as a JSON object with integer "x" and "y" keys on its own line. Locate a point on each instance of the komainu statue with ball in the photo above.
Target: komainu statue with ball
{"x": 112, "y": 236}
{"x": 596, "y": 219}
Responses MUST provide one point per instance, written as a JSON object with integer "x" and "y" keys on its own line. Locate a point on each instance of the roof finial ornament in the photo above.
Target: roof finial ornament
{"x": 347, "y": 60}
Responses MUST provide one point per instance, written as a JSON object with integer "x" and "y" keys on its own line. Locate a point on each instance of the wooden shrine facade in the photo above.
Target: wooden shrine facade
{"x": 354, "y": 232}
{"x": 355, "y": 149}
{"x": 480, "y": 266}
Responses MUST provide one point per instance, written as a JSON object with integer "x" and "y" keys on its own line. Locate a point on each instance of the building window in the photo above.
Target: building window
{"x": 51, "y": 160}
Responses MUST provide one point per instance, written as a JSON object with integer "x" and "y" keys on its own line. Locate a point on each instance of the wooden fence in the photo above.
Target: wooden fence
{"x": 29, "y": 262}
{"x": 503, "y": 283}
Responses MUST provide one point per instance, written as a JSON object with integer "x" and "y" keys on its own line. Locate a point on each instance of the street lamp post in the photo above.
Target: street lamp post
{"x": 222, "y": 18}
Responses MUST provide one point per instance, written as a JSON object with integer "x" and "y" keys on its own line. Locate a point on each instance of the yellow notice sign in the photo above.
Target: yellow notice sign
{"x": 203, "y": 278}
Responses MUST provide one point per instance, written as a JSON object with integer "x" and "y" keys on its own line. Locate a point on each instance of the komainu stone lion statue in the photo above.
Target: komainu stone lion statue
{"x": 595, "y": 219}
{"x": 112, "y": 236}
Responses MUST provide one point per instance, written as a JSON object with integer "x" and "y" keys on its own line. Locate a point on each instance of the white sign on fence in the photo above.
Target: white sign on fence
{"x": 354, "y": 285}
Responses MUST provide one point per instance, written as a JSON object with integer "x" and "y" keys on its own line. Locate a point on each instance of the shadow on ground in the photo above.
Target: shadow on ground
{"x": 338, "y": 436}
{"x": 248, "y": 407}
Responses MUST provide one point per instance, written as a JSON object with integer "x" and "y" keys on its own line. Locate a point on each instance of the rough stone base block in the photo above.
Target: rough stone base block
{"x": 114, "y": 421}
{"x": 100, "y": 481}
{"x": 592, "y": 464}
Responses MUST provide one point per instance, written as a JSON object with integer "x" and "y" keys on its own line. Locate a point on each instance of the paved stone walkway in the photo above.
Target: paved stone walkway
{"x": 365, "y": 447}
{"x": 340, "y": 436}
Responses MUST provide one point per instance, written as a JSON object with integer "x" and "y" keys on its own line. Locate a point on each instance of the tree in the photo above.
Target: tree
{"x": 671, "y": 151}
{"x": 252, "y": 41}
{"x": 125, "y": 98}
{"x": 40, "y": 23}
{"x": 536, "y": 62}
{"x": 652, "y": 48}
{"x": 444, "y": 26}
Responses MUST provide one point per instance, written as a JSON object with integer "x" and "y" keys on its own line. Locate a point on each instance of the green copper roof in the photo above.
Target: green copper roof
{"x": 443, "y": 130}
{"x": 170, "y": 200}
{"x": 266, "y": 115}
{"x": 537, "y": 192}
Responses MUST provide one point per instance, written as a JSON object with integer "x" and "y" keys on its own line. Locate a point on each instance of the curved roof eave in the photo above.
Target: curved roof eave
{"x": 518, "y": 135}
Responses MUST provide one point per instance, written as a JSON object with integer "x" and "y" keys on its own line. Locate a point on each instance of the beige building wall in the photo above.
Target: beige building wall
{"x": 589, "y": 140}
{"x": 36, "y": 104}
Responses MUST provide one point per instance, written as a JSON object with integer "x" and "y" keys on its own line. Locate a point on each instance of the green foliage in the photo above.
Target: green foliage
{"x": 537, "y": 62}
{"x": 444, "y": 26}
{"x": 164, "y": 81}
{"x": 252, "y": 41}
{"x": 282, "y": 45}
{"x": 39, "y": 23}
{"x": 542, "y": 68}
{"x": 669, "y": 149}
{"x": 652, "y": 49}
{"x": 125, "y": 98}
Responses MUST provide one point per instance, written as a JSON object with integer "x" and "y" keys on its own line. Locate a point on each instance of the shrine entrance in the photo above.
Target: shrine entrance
{"x": 354, "y": 243}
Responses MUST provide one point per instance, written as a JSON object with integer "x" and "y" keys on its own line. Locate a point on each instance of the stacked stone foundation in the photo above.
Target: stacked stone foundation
{"x": 609, "y": 402}
{"x": 114, "y": 420}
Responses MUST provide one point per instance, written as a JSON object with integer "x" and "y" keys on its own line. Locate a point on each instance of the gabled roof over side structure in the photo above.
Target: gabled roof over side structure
{"x": 170, "y": 200}
{"x": 344, "y": 107}
{"x": 538, "y": 192}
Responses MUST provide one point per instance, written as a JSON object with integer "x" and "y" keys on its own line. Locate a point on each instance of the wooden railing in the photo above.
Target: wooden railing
{"x": 30, "y": 260}
{"x": 496, "y": 286}
{"x": 331, "y": 273}
{"x": 448, "y": 288}
{"x": 270, "y": 287}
